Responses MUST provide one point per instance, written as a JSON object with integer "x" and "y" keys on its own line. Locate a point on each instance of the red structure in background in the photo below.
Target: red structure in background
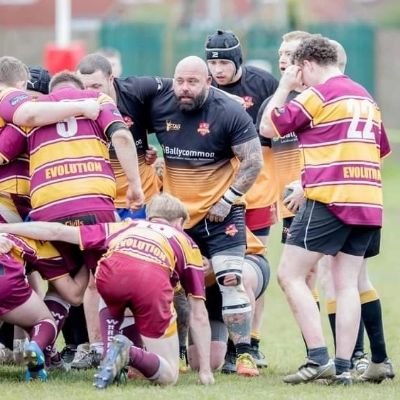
{"x": 58, "y": 58}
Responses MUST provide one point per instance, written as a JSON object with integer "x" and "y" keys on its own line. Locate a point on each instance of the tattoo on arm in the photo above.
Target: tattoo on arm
{"x": 251, "y": 162}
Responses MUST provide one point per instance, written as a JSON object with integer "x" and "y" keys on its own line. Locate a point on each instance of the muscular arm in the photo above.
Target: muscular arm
{"x": 43, "y": 231}
{"x": 36, "y": 113}
{"x": 125, "y": 150}
{"x": 201, "y": 334}
{"x": 251, "y": 162}
{"x": 290, "y": 80}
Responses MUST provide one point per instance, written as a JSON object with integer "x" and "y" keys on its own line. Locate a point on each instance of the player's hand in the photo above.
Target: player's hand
{"x": 291, "y": 78}
{"x": 151, "y": 155}
{"x": 5, "y": 245}
{"x": 90, "y": 108}
{"x": 295, "y": 199}
{"x": 134, "y": 197}
{"x": 206, "y": 378}
{"x": 219, "y": 211}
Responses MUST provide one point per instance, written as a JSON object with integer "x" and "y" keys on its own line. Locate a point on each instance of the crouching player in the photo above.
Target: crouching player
{"x": 256, "y": 274}
{"x": 141, "y": 259}
{"x": 20, "y": 305}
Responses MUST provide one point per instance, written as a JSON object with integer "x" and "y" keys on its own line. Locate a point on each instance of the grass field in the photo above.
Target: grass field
{"x": 281, "y": 342}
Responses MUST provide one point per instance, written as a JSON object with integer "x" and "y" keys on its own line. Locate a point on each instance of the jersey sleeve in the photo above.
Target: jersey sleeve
{"x": 109, "y": 113}
{"x": 189, "y": 266}
{"x": 10, "y": 101}
{"x": 12, "y": 142}
{"x": 240, "y": 126}
{"x": 385, "y": 149}
{"x": 296, "y": 115}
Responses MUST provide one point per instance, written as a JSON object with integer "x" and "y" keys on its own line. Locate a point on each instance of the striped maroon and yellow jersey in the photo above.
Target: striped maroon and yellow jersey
{"x": 10, "y": 100}
{"x": 69, "y": 161}
{"x": 156, "y": 243}
{"x": 342, "y": 141}
{"x": 37, "y": 255}
{"x": 14, "y": 175}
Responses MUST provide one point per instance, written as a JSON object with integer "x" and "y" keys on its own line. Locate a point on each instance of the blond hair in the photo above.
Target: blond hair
{"x": 167, "y": 207}
{"x": 13, "y": 71}
{"x": 296, "y": 35}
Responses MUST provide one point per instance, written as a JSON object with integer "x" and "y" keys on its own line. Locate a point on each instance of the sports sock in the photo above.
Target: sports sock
{"x": 146, "y": 362}
{"x": 319, "y": 355}
{"x": 341, "y": 365}
{"x": 109, "y": 326}
{"x": 128, "y": 329}
{"x": 44, "y": 333}
{"x": 371, "y": 314}
{"x": 59, "y": 309}
{"x": 75, "y": 330}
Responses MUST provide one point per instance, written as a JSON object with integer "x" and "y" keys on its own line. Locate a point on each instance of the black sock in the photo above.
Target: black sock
{"x": 242, "y": 348}
{"x": 359, "y": 347}
{"x": 230, "y": 347}
{"x": 332, "y": 323}
{"x": 255, "y": 343}
{"x": 371, "y": 314}
{"x": 341, "y": 365}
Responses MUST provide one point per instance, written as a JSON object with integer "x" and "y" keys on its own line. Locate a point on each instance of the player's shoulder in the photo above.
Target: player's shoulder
{"x": 258, "y": 73}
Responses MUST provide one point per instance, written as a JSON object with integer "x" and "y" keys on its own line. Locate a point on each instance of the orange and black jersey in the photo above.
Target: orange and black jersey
{"x": 197, "y": 146}
{"x": 253, "y": 87}
{"x": 286, "y": 157}
{"x": 133, "y": 95}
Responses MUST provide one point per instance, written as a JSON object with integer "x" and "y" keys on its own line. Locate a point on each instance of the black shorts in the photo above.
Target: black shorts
{"x": 285, "y": 228}
{"x": 315, "y": 228}
{"x": 214, "y": 237}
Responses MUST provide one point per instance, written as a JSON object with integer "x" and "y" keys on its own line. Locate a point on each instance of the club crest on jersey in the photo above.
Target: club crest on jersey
{"x": 248, "y": 102}
{"x": 172, "y": 126}
{"x": 128, "y": 121}
{"x": 231, "y": 230}
{"x": 204, "y": 128}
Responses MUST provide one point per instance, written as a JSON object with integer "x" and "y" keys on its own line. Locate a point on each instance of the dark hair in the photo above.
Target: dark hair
{"x": 65, "y": 77}
{"x": 317, "y": 49}
{"x": 224, "y": 45}
{"x": 94, "y": 62}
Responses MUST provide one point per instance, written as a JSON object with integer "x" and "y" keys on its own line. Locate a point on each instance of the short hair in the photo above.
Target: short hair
{"x": 94, "y": 62}
{"x": 65, "y": 77}
{"x": 12, "y": 71}
{"x": 166, "y": 206}
{"x": 318, "y": 49}
{"x": 109, "y": 52}
{"x": 296, "y": 35}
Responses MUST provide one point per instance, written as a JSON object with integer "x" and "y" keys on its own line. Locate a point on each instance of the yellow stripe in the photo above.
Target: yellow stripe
{"x": 76, "y": 149}
{"x": 62, "y": 190}
{"x": 331, "y": 306}
{"x": 341, "y": 152}
{"x": 315, "y": 294}
{"x": 345, "y": 194}
{"x": 255, "y": 335}
{"x": 310, "y": 101}
{"x": 369, "y": 296}
{"x": 341, "y": 110}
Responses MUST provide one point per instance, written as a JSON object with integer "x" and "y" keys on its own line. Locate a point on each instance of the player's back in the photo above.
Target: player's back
{"x": 69, "y": 161}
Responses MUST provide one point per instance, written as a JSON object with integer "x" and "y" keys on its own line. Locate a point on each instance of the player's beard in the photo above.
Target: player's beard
{"x": 196, "y": 102}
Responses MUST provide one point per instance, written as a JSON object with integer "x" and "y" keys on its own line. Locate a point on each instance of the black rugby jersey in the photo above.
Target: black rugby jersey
{"x": 197, "y": 147}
